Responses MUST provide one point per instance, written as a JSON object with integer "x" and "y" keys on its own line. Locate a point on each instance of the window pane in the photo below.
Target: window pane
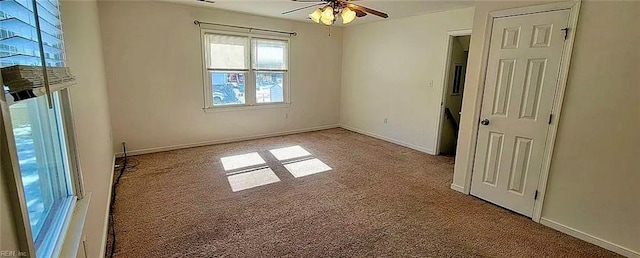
{"x": 269, "y": 87}
{"x": 228, "y": 88}
{"x": 227, "y": 52}
{"x": 270, "y": 54}
{"x": 42, "y": 159}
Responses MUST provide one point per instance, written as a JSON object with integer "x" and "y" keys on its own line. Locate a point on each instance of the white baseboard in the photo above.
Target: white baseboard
{"x": 205, "y": 143}
{"x": 458, "y": 188}
{"x": 384, "y": 138}
{"x": 589, "y": 238}
{"x": 105, "y": 231}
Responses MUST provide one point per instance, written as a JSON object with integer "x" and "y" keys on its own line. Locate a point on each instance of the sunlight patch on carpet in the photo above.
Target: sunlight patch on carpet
{"x": 289, "y": 153}
{"x": 248, "y": 180}
{"x": 242, "y": 161}
{"x": 307, "y": 167}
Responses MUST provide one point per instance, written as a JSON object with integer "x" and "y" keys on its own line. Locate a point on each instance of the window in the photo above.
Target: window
{"x": 44, "y": 166}
{"x": 245, "y": 69}
{"x": 458, "y": 79}
{"x": 46, "y": 162}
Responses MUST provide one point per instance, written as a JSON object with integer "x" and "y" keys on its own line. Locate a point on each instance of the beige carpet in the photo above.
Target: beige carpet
{"x": 379, "y": 199}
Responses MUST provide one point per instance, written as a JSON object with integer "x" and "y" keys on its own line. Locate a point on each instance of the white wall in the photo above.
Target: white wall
{"x": 91, "y": 113}
{"x": 387, "y": 66}
{"x": 154, "y": 72}
{"x": 595, "y": 167}
{"x": 593, "y": 184}
{"x": 9, "y": 238}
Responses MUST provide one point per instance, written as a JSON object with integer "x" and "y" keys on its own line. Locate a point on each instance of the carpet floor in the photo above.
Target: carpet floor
{"x": 377, "y": 199}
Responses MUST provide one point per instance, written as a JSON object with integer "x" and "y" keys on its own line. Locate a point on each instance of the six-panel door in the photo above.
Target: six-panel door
{"x": 520, "y": 86}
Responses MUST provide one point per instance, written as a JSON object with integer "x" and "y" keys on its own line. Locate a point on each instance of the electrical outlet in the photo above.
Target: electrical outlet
{"x": 286, "y": 116}
{"x": 386, "y": 120}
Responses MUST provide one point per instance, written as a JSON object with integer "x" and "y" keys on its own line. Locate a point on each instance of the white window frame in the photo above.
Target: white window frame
{"x": 64, "y": 236}
{"x": 250, "y": 83}
{"x": 56, "y": 236}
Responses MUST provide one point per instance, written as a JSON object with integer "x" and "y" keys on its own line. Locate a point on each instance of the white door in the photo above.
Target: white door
{"x": 520, "y": 85}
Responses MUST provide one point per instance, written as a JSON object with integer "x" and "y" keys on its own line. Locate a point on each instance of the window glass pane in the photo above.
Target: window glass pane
{"x": 269, "y": 87}
{"x": 42, "y": 156}
{"x": 228, "y": 88}
{"x": 269, "y": 54}
{"x": 227, "y": 52}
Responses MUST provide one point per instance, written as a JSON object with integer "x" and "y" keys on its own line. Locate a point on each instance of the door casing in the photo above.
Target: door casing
{"x": 574, "y": 9}
{"x": 445, "y": 82}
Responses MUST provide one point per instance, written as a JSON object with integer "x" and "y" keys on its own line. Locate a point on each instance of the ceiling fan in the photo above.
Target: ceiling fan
{"x": 326, "y": 15}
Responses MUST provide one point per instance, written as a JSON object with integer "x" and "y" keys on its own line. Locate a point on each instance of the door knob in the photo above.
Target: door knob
{"x": 485, "y": 122}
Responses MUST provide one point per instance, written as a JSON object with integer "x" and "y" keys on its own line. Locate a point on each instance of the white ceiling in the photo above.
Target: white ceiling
{"x": 275, "y": 8}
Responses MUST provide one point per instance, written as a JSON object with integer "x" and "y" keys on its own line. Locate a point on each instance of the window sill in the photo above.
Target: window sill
{"x": 243, "y": 108}
{"x": 73, "y": 235}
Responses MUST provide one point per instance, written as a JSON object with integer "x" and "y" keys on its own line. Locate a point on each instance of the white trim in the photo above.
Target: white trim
{"x": 105, "y": 231}
{"x": 72, "y": 159}
{"x": 62, "y": 228}
{"x": 564, "y": 5}
{"x": 457, "y": 188}
{"x": 13, "y": 180}
{"x": 445, "y": 82}
{"x": 235, "y": 108}
{"x": 476, "y": 110}
{"x": 73, "y": 235}
{"x": 574, "y": 7}
{"x": 387, "y": 139}
{"x": 590, "y": 238}
{"x": 228, "y": 140}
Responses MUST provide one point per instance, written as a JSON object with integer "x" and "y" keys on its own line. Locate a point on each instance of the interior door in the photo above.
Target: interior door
{"x": 522, "y": 75}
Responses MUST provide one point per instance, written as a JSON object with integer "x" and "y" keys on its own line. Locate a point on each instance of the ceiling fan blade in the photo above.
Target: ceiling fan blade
{"x": 360, "y": 13}
{"x": 368, "y": 10}
{"x": 302, "y": 8}
{"x": 309, "y": 1}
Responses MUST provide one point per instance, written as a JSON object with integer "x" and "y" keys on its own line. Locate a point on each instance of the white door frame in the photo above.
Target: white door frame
{"x": 574, "y": 8}
{"x": 445, "y": 82}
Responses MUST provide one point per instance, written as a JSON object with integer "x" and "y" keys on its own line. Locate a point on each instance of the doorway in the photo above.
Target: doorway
{"x": 453, "y": 92}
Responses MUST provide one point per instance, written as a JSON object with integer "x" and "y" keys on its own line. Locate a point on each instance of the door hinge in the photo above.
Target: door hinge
{"x": 535, "y": 196}
{"x": 566, "y": 33}
{"x": 550, "y": 118}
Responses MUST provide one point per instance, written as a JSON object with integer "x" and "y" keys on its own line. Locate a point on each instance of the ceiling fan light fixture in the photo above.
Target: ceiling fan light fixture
{"x": 316, "y": 15}
{"x": 328, "y": 13}
{"x": 348, "y": 15}
{"x": 326, "y": 21}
